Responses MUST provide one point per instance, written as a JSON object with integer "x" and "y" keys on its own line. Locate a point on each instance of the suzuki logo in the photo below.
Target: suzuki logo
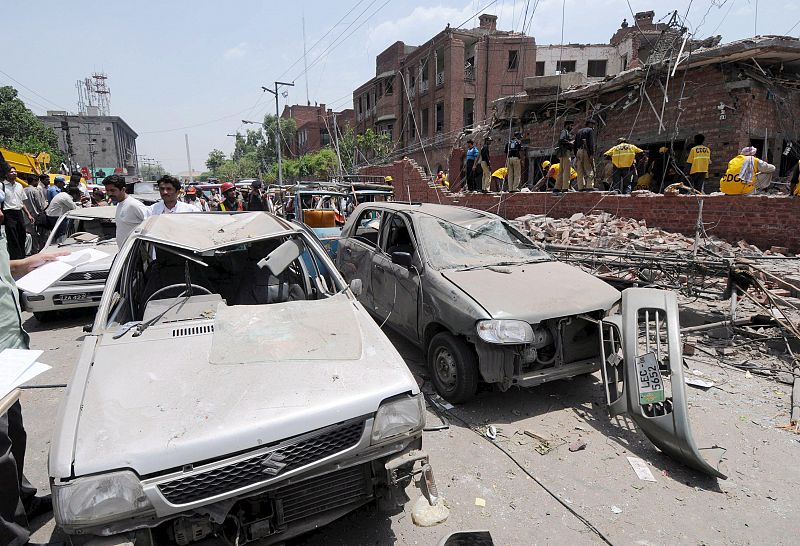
{"x": 273, "y": 464}
{"x": 87, "y": 276}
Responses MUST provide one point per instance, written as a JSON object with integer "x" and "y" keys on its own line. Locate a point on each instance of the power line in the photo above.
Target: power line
{"x": 32, "y": 91}
{"x": 793, "y": 27}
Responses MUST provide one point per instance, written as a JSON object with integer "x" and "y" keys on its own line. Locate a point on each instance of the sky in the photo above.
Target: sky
{"x": 197, "y": 67}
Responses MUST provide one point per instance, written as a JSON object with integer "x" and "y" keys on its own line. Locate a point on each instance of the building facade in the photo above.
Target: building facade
{"x": 99, "y": 143}
{"x": 316, "y": 127}
{"x": 423, "y": 97}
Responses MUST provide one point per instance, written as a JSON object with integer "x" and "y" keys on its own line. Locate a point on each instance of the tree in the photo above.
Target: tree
{"x": 21, "y": 131}
{"x": 288, "y": 131}
{"x": 151, "y": 171}
{"x": 368, "y": 147}
{"x": 215, "y": 160}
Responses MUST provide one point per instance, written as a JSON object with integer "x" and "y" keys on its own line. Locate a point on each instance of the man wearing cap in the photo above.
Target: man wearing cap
{"x": 191, "y": 197}
{"x": 623, "y": 155}
{"x": 743, "y": 173}
{"x": 513, "y": 153}
{"x": 255, "y": 201}
{"x": 486, "y": 171}
{"x": 566, "y": 142}
{"x": 168, "y": 187}
{"x": 230, "y": 200}
{"x": 58, "y": 185}
{"x": 699, "y": 158}
{"x": 584, "y": 156}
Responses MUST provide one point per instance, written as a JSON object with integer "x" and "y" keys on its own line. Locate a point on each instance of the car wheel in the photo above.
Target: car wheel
{"x": 453, "y": 366}
{"x": 43, "y": 316}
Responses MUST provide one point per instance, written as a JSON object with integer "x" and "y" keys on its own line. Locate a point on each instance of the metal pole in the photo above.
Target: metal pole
{"x": 278, "y": 128}
{"x": 336, "y": 140}
{"x": 189, "y": 158}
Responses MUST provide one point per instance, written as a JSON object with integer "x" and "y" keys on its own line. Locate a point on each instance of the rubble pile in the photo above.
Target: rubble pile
{"x": 604, "y": 230}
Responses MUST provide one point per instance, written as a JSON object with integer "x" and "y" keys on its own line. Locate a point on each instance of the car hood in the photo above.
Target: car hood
{"x": 108, "y": 247}
{"x": 534, "y": 292}
{"x": 180, "y": 394}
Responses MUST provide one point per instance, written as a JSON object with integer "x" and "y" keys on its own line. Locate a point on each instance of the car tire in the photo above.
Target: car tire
{"x": 453, "y": 367}
{"x": 43, "y": 316}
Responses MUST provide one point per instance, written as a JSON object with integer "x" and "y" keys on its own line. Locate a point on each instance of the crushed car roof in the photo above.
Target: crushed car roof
{"x": 450, "y": 213}
{"x": 209, "y": 230}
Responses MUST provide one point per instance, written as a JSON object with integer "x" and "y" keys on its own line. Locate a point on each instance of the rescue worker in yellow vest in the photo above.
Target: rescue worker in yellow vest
{"x": 622, "y": 157}
{"x": 794, "y": 181}
{"x": 231, "y": 201}
{"x": 743, "y": 173}
{"x": 699, "y": 158}
{"x": 555, "y": 170}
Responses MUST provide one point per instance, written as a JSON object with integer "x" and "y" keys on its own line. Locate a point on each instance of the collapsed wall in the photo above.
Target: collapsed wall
{"x": 761, "y": 220}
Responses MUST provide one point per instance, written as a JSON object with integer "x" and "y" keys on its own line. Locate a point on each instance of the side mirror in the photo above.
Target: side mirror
{"x": 356, "y": 287}
{"x": 402, "y": 259}
{"x": 87, "y": 327}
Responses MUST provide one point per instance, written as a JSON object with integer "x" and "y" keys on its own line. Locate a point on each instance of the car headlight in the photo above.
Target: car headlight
{"x": 505, "y": 331}
{"x": 397, "y": 417}
{"x": 97, "y": 500}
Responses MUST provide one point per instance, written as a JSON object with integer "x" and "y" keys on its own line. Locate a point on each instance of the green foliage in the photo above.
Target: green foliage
{"x": 152, "y": 171}
{"x": 359, "y": 149}
{"x": 21, "y": 131}
{"x": 215, "y": 160}
{"x": 320, "y": 165}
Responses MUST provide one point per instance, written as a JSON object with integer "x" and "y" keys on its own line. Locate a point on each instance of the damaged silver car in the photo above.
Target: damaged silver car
{"x": 233, "y": 386}
{"x": 485, "y": 304}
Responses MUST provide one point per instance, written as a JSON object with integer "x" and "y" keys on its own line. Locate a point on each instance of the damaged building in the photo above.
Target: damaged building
{"x": 741, "y": 93}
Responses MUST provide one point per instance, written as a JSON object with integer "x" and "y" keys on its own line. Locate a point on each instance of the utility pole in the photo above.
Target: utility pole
{"x": 305, "y": 60}
{"x": 336, "y": 141}
{"x": 189, "y": 159}
{"x": 277, "y": 128}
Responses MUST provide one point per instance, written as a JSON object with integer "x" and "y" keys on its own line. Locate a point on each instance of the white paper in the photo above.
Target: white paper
{"x": 641, "y": 469}
{"x": 14, "y": 363}
{"x": 35, "y": 369}
{"x": 41, "y": 278}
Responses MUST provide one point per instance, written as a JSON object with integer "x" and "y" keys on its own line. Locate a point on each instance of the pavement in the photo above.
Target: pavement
{"x": 589, "y": 496}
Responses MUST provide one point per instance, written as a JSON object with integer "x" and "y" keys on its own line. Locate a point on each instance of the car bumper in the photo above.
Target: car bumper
{"x": 60, "y": 297}
{"x": 330, "y": 487}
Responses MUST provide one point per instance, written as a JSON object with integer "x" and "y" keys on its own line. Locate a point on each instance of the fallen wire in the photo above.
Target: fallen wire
{"x": 522, "y": 467}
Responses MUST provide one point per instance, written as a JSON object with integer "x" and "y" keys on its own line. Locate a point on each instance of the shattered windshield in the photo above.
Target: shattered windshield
{"x": 76, "y": 231}
{"x": 482, "y": 242}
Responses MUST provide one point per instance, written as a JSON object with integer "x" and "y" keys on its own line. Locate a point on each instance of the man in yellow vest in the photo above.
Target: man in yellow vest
{"x": 555, "y": 171}
{"x": 699, "y": 158}
{"x": 623, "y": 156}
{"x": 794, "y": 181}
{"x": 743, "y": 171}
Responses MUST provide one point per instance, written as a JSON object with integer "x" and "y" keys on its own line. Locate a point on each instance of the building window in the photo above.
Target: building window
{"x": 439, "y": 117}
{"x": 368, "y": 103}
{"x": 624, "y": 62}
{"x": 324, "y": 138}
{"x": 540, "y": 68}
{"x": 513, "y": 59}
{"x": 386, "y": 130}
{"x": 410, "y": 125}
{"x": 439, "y": 67}
{"x": 469, "y": 112}
{"x": 562, "y": 67}
{"x": 390, "y": 85}
{"x": 360, "y": 109}
{"x": 596, "y": 69}
{"x": 425, "y": 122}
{"x": 379, "y": 92}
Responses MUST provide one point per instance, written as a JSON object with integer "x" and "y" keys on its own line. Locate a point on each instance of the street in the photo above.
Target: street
{"x": 573, "y": 497}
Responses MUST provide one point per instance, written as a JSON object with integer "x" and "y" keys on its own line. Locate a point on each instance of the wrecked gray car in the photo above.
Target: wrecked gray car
{"x": 231, "y": 385}
{"x": 485, "y": 304}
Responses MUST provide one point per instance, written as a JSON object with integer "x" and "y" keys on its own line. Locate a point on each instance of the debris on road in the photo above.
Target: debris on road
{"x": 641, "y": 469}
{"x": 578, "y": 445}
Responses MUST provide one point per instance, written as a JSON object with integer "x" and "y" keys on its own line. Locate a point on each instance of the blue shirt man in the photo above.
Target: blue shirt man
{"x": 55, "y": 188}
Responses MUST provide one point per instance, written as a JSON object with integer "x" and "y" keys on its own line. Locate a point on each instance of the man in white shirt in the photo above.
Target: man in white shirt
{"x": 130, "y": 211}
{"x": 168, "y": 187}
{"x": 61, "y": 204}
{"x": 14, "y": 211}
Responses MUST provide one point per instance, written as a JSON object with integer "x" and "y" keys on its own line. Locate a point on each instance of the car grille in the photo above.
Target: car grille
{"x": 263, "y": 466}
{"x": 84, "y": 276}
{"x": 324, "y": 493}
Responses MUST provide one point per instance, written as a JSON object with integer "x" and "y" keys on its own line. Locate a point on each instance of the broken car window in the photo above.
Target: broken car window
{"x": 480, "y": 243}
{"x": 367, "y": 227}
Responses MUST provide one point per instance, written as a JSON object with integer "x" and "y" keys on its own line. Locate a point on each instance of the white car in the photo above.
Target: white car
{"x": 231, "y": 385}
{"x": 76, "y": 230}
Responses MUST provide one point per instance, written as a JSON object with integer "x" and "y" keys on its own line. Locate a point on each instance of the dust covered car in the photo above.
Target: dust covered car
{"x": 231, "y": 385}
{"x": 78, "y": 229}
{"x": 487, "y": 305}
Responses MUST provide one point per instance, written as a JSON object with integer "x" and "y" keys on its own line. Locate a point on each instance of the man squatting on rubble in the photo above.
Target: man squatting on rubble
{"x": 18, "y": 500}
{"x": 566, "y": 141}
{"x": 743, "y": 173}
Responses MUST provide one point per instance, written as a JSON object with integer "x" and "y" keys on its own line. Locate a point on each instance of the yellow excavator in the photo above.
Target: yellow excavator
{"x": 27, "y": 163}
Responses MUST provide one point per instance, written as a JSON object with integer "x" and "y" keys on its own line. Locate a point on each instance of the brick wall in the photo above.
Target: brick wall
{"x": 760, "y": 220}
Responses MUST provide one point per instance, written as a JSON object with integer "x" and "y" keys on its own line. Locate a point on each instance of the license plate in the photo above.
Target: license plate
{"x": 74, "y": 298}
{"x": 651, "y": 384}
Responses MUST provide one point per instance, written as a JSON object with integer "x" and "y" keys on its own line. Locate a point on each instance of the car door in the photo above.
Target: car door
{"x": 356, "y": 251}
{"x": 395, "y": 288}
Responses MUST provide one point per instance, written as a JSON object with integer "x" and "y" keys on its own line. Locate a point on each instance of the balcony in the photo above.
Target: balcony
{"x": 439, "y": 79}
{"x": 423, "y": 86}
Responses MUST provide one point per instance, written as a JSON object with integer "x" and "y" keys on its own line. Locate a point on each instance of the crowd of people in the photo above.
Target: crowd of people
{"x": 622, "y": 168}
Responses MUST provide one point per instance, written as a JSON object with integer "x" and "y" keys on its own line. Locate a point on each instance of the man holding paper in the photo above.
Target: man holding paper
{"x": 18, "y": 502}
